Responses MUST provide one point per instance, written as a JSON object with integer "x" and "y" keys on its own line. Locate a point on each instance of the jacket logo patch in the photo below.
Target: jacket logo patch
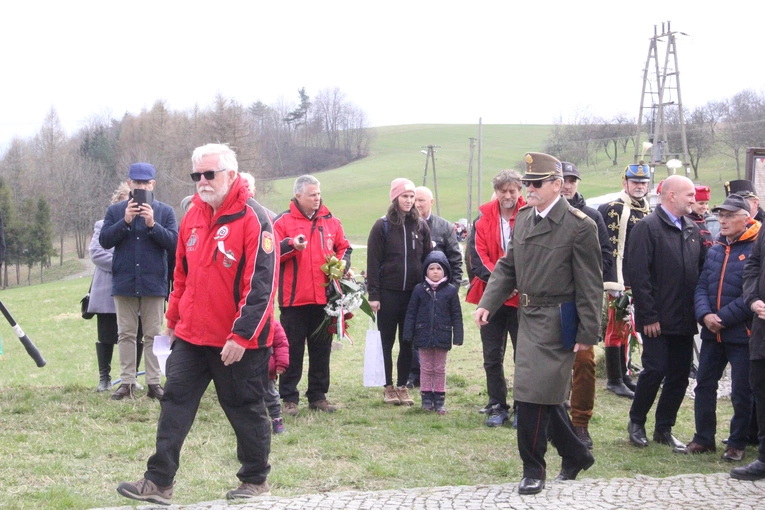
{"x": 222, "y": 233}
{"x": 741, "y": 257}
{"x": 191, "y": 244}
{"x": 267, "y": 242}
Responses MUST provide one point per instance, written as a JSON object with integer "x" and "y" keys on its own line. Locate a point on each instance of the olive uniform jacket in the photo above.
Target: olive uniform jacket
{"x": 553, "y": 262}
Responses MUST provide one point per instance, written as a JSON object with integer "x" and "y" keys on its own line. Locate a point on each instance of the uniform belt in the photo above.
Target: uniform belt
{"x": 526, "y": 300}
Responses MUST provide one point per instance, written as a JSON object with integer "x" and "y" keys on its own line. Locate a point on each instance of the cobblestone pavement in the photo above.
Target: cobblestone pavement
{"x": 681, "y": 492}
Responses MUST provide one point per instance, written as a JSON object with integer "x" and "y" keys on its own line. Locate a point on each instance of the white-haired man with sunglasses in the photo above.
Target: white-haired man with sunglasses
{"x": 554, "y": 262}
{"x": 219, "y": 320}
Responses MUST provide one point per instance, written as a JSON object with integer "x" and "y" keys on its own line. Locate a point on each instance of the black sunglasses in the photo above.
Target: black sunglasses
{"x": 536, "y": 184}
{"x": 209, "y": 175}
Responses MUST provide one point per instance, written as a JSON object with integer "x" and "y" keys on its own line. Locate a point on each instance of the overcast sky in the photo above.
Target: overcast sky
{"x": 402, "y": 62}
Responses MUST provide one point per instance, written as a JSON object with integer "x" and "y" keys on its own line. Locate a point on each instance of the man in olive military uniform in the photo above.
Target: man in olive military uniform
{"x": 620, "y": 216}
{"x": 554, "y": 261}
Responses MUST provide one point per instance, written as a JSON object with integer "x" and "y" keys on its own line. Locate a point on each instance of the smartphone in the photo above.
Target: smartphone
{"x": 143, "y": 196}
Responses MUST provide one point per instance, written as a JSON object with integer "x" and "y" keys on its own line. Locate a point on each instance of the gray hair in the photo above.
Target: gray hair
{"x": 226, "y": 156}
{"x": 303, "y": 181}
{"x": 507, "y": 177}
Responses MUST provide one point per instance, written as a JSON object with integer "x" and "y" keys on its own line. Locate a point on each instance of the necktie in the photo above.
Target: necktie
{"x": 537, "y": 218}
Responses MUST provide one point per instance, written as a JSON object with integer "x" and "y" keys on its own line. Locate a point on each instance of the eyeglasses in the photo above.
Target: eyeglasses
{"x": 536, "y": 184}
{"x": 730, "y": 216}
{"x": 209, "y": 174}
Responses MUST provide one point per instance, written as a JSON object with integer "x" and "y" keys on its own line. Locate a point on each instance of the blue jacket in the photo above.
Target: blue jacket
{"x": 139, "y": 267}
{"x": 720, "y": 288}
{"x": 433, "y": 315}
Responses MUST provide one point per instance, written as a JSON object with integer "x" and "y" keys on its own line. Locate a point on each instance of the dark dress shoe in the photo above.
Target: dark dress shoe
{"x": 637, "y": 434}
{"x": 155, "y": 391}
{"x": 753, "y": 471}
{"x": 124, "y": 391}
{"x": 619, "y": 389}
{"x": 668, "y": 439}
{"x": 530, "y": 486}
{"x": 694, "y": 447}
{"x": 733, "y": 454}
{"x": 571, "y": 474}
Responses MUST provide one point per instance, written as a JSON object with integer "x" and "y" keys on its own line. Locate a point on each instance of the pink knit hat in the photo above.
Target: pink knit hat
{"x": 400, "y": 186}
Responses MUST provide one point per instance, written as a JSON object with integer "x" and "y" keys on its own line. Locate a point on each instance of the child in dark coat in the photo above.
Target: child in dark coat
{"x": 433, "y": 323}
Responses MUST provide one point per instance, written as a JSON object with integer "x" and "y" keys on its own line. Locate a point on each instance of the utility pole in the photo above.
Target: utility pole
{"x": 470, "y": 182}
{"x": 480, "y": 168}
{"x": 431, "y": 155}
{"x": 658, "y": 86}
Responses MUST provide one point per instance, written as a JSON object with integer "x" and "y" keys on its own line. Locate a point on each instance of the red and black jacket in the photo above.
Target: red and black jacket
{"x": 301, "y": 281}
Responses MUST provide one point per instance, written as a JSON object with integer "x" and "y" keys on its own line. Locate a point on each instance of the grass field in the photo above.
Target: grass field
{"x": 65, "y": 446}
{"x": 358, "y": 193}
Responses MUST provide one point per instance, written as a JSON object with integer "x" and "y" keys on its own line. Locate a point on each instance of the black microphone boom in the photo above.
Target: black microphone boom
{"x": 28, "y": 345}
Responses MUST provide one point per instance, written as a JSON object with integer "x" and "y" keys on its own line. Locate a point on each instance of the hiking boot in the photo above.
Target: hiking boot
{"x": 155, "y": 391}
{"x": 497, "y": 417}
{"x": 322, "y": 405}
{"x": 403, "y": 396}
{"x": 584, "y": 436}
{"x": 124, "y": 391}
{"x": 290, "y": 408}
{"x": 146, "y": 490}
{"x": 278, "y": 425}
{"x": 249, "y": 491}
{"x": 390, "y": 396}
{"x": 486, "y": 409}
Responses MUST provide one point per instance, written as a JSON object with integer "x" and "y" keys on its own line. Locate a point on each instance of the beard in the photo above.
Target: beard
{"x": 508, "y": 203}
{"x": 212, "y": 197}
{"x": 638, "y": 193}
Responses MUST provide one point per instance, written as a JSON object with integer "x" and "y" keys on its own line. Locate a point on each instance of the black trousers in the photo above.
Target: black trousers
{"x": 533, "y": 431}
{"x": 390, "y": 319}
{"x": 299, "y": 322}
{"x": 240, "y": 388}
{"x": 757, "y": 381}
{"x": 665, "y": 358}
{"x": 494, "y": 339}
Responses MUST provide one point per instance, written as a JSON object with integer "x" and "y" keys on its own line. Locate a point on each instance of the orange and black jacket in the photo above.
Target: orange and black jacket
{"x": 721, "y": 287}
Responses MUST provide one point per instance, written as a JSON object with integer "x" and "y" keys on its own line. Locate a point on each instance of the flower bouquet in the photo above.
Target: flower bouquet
{"x": 625, "y": 311}
{"x": 344, "y": 296}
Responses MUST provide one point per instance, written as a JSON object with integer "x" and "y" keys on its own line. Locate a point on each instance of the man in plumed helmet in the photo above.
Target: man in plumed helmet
{"x": 745, "y": 189}
{"x": 620, "y": 216}
{"x": 554, "y": 262}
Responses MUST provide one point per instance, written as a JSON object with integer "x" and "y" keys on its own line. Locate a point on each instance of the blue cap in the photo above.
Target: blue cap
{"x": 141, "y": 172}
{"x": 638, "y": 173}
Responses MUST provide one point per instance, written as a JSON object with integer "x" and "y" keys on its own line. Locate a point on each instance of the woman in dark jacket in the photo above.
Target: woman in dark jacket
{"x": 434, "y": 313}
{"x": 397, "y": 245}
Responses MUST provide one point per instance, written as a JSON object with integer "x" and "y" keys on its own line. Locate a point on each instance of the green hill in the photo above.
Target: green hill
{"x": 358, "y": 193}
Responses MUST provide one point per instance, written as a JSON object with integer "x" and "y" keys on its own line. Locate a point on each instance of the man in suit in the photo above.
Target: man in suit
{"x": 666, "y": 255}
{"x": 554, "y": 261}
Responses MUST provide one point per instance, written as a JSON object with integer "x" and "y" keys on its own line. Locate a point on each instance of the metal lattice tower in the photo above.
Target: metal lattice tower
{"x": 661, "y": 91}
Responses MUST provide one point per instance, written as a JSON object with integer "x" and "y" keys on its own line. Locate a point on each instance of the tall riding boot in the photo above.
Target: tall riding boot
{"x": 628, "y": 382}
{"x": 104, "y": 355}
{"x": 615, "y": 381}
{"x": 138, "y": 354}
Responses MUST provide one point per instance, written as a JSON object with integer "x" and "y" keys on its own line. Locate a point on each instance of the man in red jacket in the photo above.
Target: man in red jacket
{"x": 493, "y": 231}
{"x": 219, "y": 320}
{"x": 308, "y": 233}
